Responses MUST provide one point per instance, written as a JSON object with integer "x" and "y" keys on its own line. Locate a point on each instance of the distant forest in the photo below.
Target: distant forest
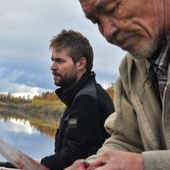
{"x": 44, "y": 109}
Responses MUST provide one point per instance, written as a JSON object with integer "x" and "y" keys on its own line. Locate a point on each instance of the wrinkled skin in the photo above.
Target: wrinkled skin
{"x": 129, "y": 24}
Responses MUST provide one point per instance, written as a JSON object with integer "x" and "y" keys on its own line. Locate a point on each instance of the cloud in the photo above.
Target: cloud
{"x": 25, "y": 33}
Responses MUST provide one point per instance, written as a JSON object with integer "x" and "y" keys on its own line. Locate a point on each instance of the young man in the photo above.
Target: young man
{"x": 81, "y": 130}
{"x": 140, "y": 127}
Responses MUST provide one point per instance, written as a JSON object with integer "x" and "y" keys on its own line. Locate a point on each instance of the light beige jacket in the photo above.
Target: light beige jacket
{"x": 139, "y": 125}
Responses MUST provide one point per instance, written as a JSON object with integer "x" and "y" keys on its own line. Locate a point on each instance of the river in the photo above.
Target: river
{"x": 20, "y": 134}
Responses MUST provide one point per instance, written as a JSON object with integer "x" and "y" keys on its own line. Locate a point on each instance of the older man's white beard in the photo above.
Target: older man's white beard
{"x": 145, "y": 52}
{"x": 140, "y": 56}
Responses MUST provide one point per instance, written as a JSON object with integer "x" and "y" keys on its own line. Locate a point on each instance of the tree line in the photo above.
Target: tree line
{"x": 45, "y": 96}
{"x": 41, "y": 109}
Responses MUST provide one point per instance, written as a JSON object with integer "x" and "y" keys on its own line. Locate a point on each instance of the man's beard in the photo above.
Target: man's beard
{"x": 67, "y": 81}
{"x": 146, "y": 51}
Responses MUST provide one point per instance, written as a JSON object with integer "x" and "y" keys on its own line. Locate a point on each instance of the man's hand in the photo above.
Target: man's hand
{"x": 111, "y": 160}
{"x": 118, "y": 160}
{"x": 78, "y": 165}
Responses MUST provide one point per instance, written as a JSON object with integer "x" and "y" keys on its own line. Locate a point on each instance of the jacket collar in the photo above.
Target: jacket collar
{"x": 67, "y": 95}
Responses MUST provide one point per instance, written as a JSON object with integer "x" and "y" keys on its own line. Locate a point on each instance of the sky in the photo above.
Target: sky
{"x": 26, "y": 28}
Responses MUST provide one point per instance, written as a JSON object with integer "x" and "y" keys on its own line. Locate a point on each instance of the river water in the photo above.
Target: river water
{"x": 20, "y": 134}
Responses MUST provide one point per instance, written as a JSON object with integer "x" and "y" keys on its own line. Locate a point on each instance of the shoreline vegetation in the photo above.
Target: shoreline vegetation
{"x": 43, "y": 111}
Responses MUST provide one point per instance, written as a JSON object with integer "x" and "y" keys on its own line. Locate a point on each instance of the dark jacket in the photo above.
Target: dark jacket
{"x": 81, "y": 130}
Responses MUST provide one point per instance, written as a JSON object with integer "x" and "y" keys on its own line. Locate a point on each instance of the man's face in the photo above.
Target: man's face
{"x": 133, "y": 25}
{"x": 63, "y": 69}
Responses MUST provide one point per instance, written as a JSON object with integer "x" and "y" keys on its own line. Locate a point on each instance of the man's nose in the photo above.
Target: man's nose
{"x": 53, "y": 66}
{"x": 108, "y": 29}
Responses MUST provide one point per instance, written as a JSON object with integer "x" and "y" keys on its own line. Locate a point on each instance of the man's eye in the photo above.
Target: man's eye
{"x": 112, "y": 11}
{"x": 60, "y": 61}
{"x": 57, "y": 60}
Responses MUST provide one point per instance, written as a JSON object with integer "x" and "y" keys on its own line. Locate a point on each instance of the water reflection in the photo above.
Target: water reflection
{"x": 26, "y": 138}
{"x": 17, "y": 126}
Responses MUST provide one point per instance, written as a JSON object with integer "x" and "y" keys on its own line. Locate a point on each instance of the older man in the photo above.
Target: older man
{"x": 140, "y": 127}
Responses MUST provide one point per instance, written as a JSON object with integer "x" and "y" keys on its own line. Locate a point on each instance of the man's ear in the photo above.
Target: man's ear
{"x": 82, "y": 63}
